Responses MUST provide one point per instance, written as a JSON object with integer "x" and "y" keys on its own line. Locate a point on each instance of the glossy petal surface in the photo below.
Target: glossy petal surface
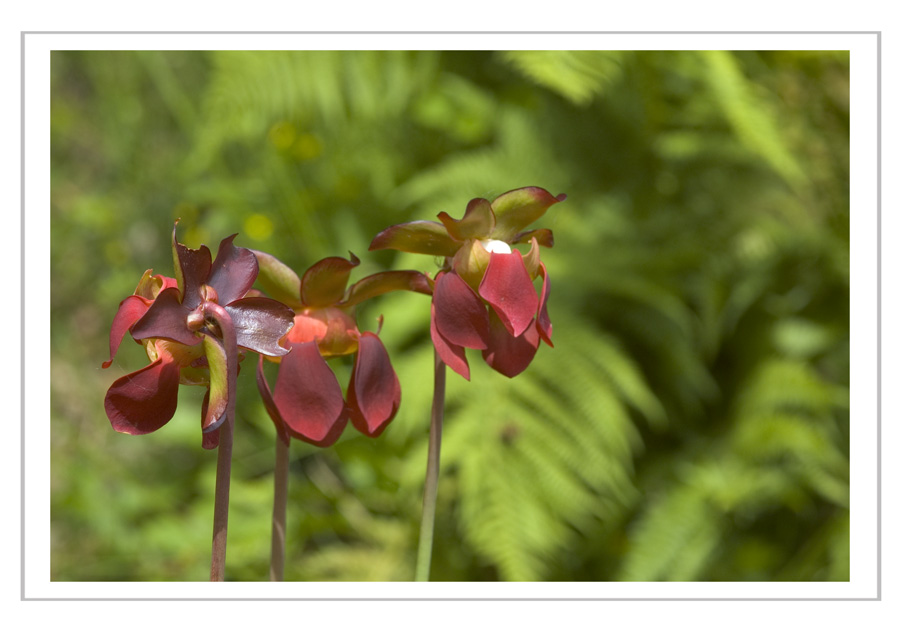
{"x": 324, "y": 282}
{"x": 507, "y": 354}
{"x": 477, "y": 223}
{"x": 145, "y": 400}
{"x": 130, "y": 311}
{"x": 373, "y": 396}
{"x": 423, "y": 237}
{"x": 518, "y": 208}
{"x": 459, "y": 314}
{"x": 453, "y": 355}
{"x": 233, "y": 272}
{"x": 277, "y": 279}
{"x": 166, "y": 318}
{"x": 260, "y": 323}
{"x": 383, "y": 282}
{"x": 309, "y": 397}
{"x": 508, "y": 289}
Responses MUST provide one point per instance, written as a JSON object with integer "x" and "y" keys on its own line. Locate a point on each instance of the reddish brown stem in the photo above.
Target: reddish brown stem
{"x": 279, "y": 509}
{"x": 223, "y": 322}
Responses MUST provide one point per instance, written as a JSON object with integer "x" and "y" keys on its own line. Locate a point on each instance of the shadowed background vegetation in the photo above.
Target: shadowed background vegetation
{"x": 692, "y": 421}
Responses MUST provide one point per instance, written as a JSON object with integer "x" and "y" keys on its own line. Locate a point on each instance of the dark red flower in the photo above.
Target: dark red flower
{"x": 484, "y": 296}
{"x": 308, "y": 402}
{"x": 192, "y": 328}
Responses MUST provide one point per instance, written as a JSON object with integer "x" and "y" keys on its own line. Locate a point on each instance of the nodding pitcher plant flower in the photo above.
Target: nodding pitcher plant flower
{"x": 308, "y": 402}
{"x": 484, "y": 296}
{"x": 192, "y": 327}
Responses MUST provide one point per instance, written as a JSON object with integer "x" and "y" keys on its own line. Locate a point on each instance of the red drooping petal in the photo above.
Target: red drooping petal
{"x": 507, "y": 287}
{"x": 145, "y": 400}
{"x": 309, "y": 397}
{"x": 233, "y": 272}
{"x": 507, "y": 354}
{"x": 373, "y": 396}
{"x": 210, "y": 439}
{"x": 323, "y": 284}
{"x": 459, "y": 314}
{"x": 544, "y": 326}
{"x": 130, "y": 311}
{"x": 266, "y": 394}
{"x": 191, "y": 269}
{"x": 452, "y": 355}
{"x": 260, "y": 323}
{"x": 166, "y": 318}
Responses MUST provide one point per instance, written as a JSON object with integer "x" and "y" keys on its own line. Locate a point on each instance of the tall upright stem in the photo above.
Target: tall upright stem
{"x": 279, "y": 509}
{"x": 429, "y": 502}
{"x": 220, "y": 513}
{"x": 222, "y": 354}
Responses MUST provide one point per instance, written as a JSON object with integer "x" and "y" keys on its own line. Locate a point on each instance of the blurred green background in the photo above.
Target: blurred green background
{"x": 692, "y": 421}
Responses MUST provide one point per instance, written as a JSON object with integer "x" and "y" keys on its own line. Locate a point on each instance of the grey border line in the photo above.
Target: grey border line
{"x": 454, "y": 33}
{"x": 22, "y": 315}
{"x": 878, "y": 310}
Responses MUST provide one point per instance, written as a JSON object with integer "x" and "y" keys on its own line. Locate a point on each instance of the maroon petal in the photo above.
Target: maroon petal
{"x": 507, "y": 287}
{"x": 309, "y": 397}
{"x": 260, "y": 323}
{"x": 507, "y": 354}
{"x": 130, "y": 311}
{"x": 191, "y": 270}
{"x": 452, "y": 355}
{"x": 233, "y": 272}
{"x": 266, "y": 395}
{"x": 373, "y": 396}
{"x": 323, "y": 284}
{"x": 477, "y": 223}
{"x": 145, "y": 400}
{"x": 210, "y": 439}
{"x": 544, "y": 326}
{"x": 166, "y": 318}
{"x": 459, "y": 314}
{"x": 422, "y": 237}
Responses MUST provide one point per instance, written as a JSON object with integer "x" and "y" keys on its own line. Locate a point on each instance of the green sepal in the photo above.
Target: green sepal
{"x": 518, "y": 208}
{"x": 277, "y": 280}
{"x": 420, "y": 237}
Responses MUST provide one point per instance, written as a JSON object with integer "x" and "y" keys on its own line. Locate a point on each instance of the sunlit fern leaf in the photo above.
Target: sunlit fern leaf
{"x": 789, "y": 386}
{"x": 252, "y": 90}
{"x": 521, "y": 153}
{"x": 579, "y": 76}
{"x": 543, "y": 456}
{"x": 750, "y": 115}
{"x": 674, "y": 539}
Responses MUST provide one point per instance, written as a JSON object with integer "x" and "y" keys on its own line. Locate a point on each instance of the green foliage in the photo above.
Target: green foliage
{"x": 692, "y": 421}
